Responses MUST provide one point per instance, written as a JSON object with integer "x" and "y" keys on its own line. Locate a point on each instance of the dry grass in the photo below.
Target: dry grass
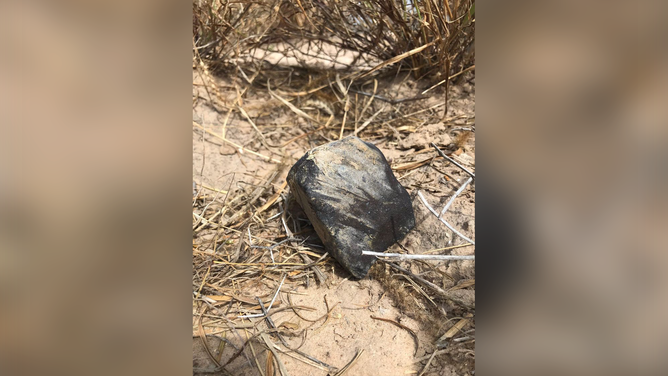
{"x": 345, "y": 34}
{"x": 325, "y": 63}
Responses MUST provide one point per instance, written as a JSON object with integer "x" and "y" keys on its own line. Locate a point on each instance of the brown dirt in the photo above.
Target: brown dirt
{"x": 388, "y": 350}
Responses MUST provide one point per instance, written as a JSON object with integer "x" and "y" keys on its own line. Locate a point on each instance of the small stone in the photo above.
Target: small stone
{"x": 354, "y": 201}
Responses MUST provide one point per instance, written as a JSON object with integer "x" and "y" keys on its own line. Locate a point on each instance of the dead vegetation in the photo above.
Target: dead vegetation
{"x": 281, "y": 77}
{"x": 329, "y": 32}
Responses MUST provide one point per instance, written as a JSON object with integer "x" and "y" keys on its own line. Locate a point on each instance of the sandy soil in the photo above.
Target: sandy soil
{"x": 355, "y": 306}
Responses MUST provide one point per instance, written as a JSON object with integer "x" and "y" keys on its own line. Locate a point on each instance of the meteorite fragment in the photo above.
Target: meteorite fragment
{"x": 354, "y": 201}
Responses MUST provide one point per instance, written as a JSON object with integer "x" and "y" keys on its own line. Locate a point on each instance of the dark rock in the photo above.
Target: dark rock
{"x": 348, "y": 191}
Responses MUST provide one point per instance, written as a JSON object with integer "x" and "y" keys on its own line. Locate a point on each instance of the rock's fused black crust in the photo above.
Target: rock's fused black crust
{"x": 354, "y": 201}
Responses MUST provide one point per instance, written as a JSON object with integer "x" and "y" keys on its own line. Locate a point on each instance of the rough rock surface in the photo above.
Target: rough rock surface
{"x": 354, "y": 201}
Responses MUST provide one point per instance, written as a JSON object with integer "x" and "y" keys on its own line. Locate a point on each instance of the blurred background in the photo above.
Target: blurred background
{"x": 572, "y": 95}
{"x": 95, "y": 169}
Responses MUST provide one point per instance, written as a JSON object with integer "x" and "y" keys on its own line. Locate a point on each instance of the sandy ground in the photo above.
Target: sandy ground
{"x": 356, "y": 307}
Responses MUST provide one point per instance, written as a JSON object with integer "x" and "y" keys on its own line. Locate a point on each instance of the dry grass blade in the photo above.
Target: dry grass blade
{"x": 369, "y": 120}
{"x": 442, "y": 154}
{"x": 291, "y": 106}
{"x": 432, "y": 286}
{"x": 472, "y": 67}
{"x": 402, "y": 326}
{"x": 350, "y": 364}
{"x": 455, "y": 329}
{"x": 270, "y": 364}
{"x": 345, "y": 115}
{"x": 371, "y": 97}
{"x": 397, "y": 58}
{"x": 213, "y": 189}
{"x": 272, "y": 347}
{"x": 252, "y": 123}
{"x": 238, "y": 147}
{"x": 272, "y": 199}
{"x": 411, "y": 165}
{"x": 402, "y": 256}
{"x": 426, "y": 204}
{"x": 329, "y": 121}
{"x": 463, "y": 284}
{"x": 257, "y": 362}
{"x": 447, "y": 248}
{"x": 426, "y": 366}
{"x": 204, "y": 342}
